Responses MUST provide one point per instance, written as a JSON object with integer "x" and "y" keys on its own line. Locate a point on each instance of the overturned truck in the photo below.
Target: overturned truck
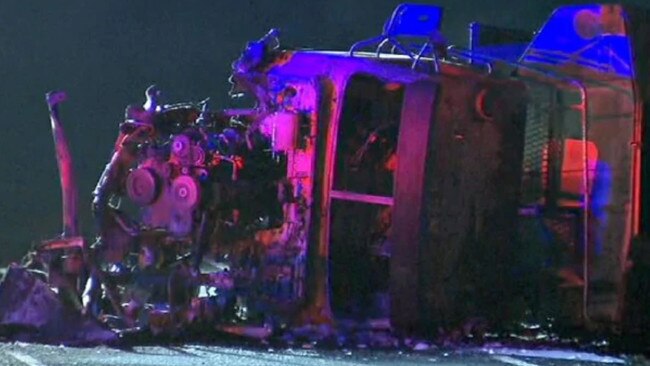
{"x": 404, "y": 182}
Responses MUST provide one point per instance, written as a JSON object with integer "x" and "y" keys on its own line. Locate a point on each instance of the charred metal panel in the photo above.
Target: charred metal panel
{"x": 635, "y": 296}
{"x": 317, "y": 306}
{"x": 638, "y": 29}
{"x": 407, "y": 222}
{"x": 611, "y": 130}
{"x": 471, "y": 199}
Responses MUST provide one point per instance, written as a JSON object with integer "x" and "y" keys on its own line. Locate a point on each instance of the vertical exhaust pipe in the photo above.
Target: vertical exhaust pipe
{"x": 66, "y": 170}
{"x": 67, "y": 276}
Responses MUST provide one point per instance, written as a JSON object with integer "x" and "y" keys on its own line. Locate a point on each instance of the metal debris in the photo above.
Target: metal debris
{"x": 33, "y": 312}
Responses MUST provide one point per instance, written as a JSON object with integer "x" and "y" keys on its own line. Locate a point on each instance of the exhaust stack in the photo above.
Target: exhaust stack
{"x": 66, "y": 170}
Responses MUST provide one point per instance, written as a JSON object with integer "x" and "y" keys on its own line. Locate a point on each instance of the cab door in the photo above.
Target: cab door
{"x": 361, "y": 198}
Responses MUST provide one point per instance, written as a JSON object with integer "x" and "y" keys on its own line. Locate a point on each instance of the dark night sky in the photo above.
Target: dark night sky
{"x": 105, "y": 53}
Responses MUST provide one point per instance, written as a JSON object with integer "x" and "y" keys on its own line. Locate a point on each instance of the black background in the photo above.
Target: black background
{"x": 105, "y": 53}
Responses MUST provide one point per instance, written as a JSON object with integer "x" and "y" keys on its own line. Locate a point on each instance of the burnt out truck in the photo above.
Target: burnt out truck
{"x": 403, "y": 182}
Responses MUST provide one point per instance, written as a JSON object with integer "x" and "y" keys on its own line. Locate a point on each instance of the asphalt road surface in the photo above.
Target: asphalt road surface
{"x": 40, "y": 355}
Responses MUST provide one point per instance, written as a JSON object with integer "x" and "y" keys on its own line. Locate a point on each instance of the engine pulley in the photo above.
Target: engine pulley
{"x": 141, "y": 186}
{"x": 185, "y": 192}
{"x": 181, "y": 146}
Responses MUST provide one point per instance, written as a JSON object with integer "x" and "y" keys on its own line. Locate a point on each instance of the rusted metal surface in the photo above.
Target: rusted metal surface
{"x": 471, "y": 201}
{"x": 407, "y": 223}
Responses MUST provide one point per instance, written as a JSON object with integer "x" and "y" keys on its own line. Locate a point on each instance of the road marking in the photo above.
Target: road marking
{"x": 26, "y": 359}
{"x": 553, "y": 354}
{"x": 513, "y": 361}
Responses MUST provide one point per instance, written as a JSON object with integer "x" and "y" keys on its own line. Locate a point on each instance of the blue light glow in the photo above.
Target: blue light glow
{"x": 592, "y": 37}
{"x": 414, "y": 20}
